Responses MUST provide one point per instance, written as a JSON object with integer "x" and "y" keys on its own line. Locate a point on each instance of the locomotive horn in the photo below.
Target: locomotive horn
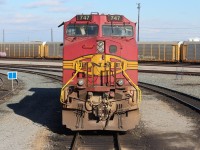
{"x": 61, "y": 24}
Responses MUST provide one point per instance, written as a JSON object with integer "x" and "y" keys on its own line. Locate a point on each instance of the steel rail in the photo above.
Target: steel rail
{"x": 117, "y": 141}
{"x": 43, "y": 68}
{"x": 10, "y": 91}
{"x": 187, "y": 100}
{"x": 75, "y": 141}
{"x": 48, "y": 75}
{"x": 55, "y": 69}
{"x": 171, "y": 72}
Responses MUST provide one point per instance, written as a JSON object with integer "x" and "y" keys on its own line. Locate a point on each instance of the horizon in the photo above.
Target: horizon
{"x": 25, "y": 21}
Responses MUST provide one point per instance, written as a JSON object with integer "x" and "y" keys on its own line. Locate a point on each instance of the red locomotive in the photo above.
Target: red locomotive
{"x": 100, "y": 73}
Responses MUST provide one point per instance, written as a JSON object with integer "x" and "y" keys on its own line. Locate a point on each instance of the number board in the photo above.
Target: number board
{"x": 115, "y": 18}
{"x": 84, "y": 17}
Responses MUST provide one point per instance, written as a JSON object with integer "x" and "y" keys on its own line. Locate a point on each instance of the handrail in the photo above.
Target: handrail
{"x": 78, "y": 67}
{"x": 133, "y": 84}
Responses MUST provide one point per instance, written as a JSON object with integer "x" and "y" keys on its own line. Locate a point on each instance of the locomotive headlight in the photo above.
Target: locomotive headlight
{"x": 100, "y": 46}
{"x": 120, "y": 82}
{"x": 80, "y": 82}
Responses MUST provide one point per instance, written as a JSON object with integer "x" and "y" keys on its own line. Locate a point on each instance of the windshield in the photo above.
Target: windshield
{"x": 117, "y": 30}
{"x": 82, "y": 30}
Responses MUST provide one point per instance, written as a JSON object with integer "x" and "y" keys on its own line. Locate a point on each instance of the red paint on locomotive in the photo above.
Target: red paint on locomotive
{"x": 100, "y": 62}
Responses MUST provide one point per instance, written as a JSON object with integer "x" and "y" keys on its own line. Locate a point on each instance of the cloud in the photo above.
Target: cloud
{"x": 2, "y": 2}
{"x": 19, "y": 18}
{"x": 61, "y": 9}
{"x": 44, "y": 3}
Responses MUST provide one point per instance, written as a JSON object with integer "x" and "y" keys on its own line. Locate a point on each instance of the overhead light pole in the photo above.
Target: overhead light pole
{"x": 3, "y": 36}
{"x": 138, "y": 7}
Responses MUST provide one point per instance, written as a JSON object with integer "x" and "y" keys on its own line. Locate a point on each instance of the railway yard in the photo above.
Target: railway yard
{"x": 30, "y": 116}
{"x": 78, "y": 75}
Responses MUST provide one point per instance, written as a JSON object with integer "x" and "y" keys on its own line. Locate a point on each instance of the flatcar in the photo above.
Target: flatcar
{"x": 100, "y": 73}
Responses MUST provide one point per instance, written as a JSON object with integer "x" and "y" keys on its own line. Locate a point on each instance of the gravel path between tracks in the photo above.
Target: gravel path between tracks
{"x": 183, "y": 83}
{"x": 28, "y": 118}
{"x": 6, "y": 87}
{"x": 32, "y": 120}
{"x": 165, "y": 125}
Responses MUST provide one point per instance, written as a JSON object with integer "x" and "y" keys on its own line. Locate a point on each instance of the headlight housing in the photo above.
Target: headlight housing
{"x": 100, "y": 46}
{"x": 80, "y": 82}
{"x": 120, "y": 82}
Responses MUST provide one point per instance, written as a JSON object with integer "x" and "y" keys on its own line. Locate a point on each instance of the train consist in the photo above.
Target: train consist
{"x": 31, "y": 50}
{"x": 186, "y": 52}
{"x": 100, "y": 73}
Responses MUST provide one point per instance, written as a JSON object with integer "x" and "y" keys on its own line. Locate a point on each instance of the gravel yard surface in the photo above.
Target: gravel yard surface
{"x": 169, "y": 68}
{"x": 167, "y": 126}
{"x": 182, "y": 83}
{"x": 29, "y": 117}
{"x": 6, "y": 87}
{"x": 31, "y": 62}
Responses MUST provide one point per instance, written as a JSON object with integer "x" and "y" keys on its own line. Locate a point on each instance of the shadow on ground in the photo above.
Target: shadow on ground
{"x": 42, "y": 107}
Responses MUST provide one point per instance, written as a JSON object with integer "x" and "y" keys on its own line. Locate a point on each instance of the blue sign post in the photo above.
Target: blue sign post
{"x": 12, "y": 76}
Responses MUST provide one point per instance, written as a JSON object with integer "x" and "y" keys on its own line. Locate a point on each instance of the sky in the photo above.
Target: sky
{"x": 33, "y": 20}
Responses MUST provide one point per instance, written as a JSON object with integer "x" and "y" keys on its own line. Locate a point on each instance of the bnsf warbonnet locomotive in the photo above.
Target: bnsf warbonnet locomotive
{"x": 100, "y": 73}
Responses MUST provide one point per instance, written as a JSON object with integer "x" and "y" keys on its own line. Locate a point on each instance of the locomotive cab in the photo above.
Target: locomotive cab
{"x": 100, "y": 73}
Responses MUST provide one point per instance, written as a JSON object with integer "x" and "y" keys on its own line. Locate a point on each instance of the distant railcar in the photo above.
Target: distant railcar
{"x": 21, "y": 50}
{"x": 159, "y": 51}
{"x": 190, "y": 52}
{"x": 48, "y": 50}
{"x": 53, "y": 50}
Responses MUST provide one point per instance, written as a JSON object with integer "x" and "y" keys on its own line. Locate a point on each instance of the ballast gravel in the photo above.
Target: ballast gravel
{"x": 183, "y": 83}
{"x": 167, "y": 125}
{"x": 25, "y": 118}
{"x": 31, "y": 119}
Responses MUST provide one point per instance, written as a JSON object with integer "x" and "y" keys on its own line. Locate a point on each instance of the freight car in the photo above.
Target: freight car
{"x": 159, "y": 51}
{"x": 31, "y": 50}
{"x": 174, "y": 52}
{"x": 190, "y": 52}
{"x": 21, "y": 50}
{"x": 100, "y": 73}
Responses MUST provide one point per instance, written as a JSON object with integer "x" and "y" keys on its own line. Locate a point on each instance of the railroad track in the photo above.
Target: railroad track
{"x": 48, "y": 75}
{"x": 59, "y": 69}
{"x": 107, "y": 141}
{"x": 185, "y": 99}
{"x": 5, "y": 89}
{"x": 116, "y": 141}
{"x": 171, "y": 72}
{"x": 33, "y": 67}
{"x": 190, "y": 101}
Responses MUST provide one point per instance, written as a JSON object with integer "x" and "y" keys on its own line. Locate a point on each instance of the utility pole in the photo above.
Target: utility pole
{"x": 138, "y": 7}
{"x": 3, "y": 36}
{"x": 51, "y": 35}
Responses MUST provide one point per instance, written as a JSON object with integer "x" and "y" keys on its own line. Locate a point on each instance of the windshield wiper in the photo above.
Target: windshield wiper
{"x": 124, "y": 26}
{"x": 112, "y": 27}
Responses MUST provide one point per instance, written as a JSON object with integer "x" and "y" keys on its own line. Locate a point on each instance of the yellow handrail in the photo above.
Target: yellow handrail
{"x": 78, "y": 68}
{"x": 133, "y": 84}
